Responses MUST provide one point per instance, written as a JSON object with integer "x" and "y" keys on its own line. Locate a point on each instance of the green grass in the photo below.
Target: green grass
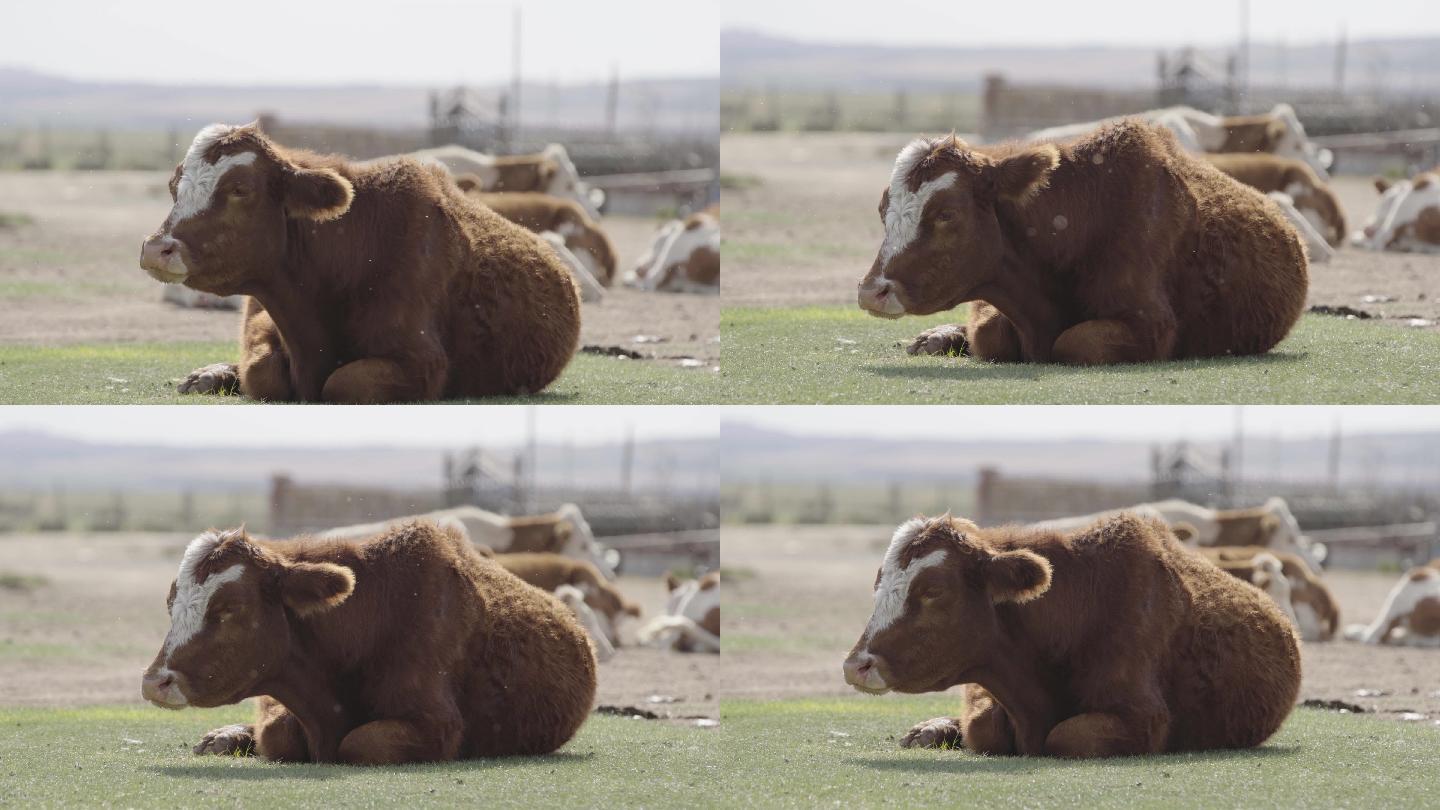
{"x": 843, "y": 752}
{"x": 146, "y": 374}
{"x": 140, "y": 757}
{"x": 842, "y": 355}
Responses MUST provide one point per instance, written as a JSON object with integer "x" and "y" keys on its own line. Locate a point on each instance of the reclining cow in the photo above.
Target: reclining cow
{"x": 549, "y": 172}
{"x": 1303, "y": 597}
{"x": 552, "y": 572}
{"x": 1312, "y": 197}
{"x": 1113, "y": 640}
{"x": 1271, "y": 525}
{"x": 684, "y": 256}
{"x": 367, "y": 284}
{"x": 543, "y": 213}
{"x": 564, "y": 531}
{"x": 692, "y": 616}
{"x": 1407, "y": 217}
{"x": 1278, "y": 132}
{"x": 1411, "y": 614}
{"x": 407, "y": 647}
{"x": 1045, "y": 240}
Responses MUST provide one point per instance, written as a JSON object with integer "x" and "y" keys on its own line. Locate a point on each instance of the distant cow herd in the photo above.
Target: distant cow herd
{"x": 446, "y": 273}
{"x": 1158, "y": 628}
{"x": 1166, "y": 235}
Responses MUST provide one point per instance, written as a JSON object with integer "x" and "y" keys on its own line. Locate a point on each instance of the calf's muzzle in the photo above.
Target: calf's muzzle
{"x": 161, "y": 686}
{"x": 862, "y": 671}
{"x": 162, "y": 257}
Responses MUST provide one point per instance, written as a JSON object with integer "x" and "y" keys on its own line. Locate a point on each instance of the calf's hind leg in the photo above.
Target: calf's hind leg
{"x": 1099, "y": 734}
{"x": 1101, "y": 342}
{"x": 374, "y": 381}
{"x": 396, "y": 742}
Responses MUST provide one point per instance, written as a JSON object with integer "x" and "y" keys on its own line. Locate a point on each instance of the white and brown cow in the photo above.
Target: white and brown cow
{"x": 1271, "y": 525}
{"x": 1299, "y": 592}
{"x": 1407, "y": 216}
{"x": 1411, "y": 614}
{"x": 1278, "y": 132}
{"x": 684, "y": 256}
{"x": 550, "y": 572}
{"x": 1310, "y": 195}
{"x": 1112, "y": 640}
{"x": 564, "y": 531}
{"x": 549, "y": 171}
{"x": 692, "y": 616}
{"x": 349, "y": 666}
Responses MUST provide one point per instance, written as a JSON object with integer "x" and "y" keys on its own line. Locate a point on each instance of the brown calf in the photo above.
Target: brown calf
{"x": 368, "y": 283}
{"x": 1311, "y": 605}
{"x": 1312, "y": 196}
{"x": 1118, "y": 247}
{"x": 538, "y": 213}
{"x": 549, "y": 571}
{"x": 406, "y": 647}
{"x": 1113, "y": 640}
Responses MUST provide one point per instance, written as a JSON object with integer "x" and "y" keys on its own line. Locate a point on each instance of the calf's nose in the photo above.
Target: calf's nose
{"x": 158, "y": 253}
{"x": 860, "y": 671}
{"x": 161, "y": 686}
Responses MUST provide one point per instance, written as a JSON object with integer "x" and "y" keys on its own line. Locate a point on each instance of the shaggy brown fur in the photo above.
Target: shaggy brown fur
{"x": 1118, "y": 247}
{"x": 549, "y": 571}
{"x": 1305, "y": 587}
{"x": 1267, "y": 173}
{"x": 374, "y": 283}
{"x": 357, "y": 669}
{"x": 1113, "y": 640}
{"x": 541, "y": 212}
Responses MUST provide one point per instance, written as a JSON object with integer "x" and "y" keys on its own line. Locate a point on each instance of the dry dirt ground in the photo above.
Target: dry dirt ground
{"x": 85, "y": 633}
{"x": 69, "y": 273}
{"x": 801, "y": 228}
{"x": 797, "y": 598}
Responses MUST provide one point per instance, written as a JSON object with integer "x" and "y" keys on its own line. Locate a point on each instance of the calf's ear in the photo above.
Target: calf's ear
{"x": 1017, "y": 576}
{"x": 1017, "y": 178}
{"x": 318, "y": 194}
{"x": 671, "y": 583}
{"x": 309, "y": 588}
{"x": 1382, "y": 184}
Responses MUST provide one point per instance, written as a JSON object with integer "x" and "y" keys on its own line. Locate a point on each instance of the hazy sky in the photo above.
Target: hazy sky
{"x": 428, "y": 41}
{"x": 437, "y": 426}
{"x": 1064, "y": 22}
{"x": 1143, "y": 422}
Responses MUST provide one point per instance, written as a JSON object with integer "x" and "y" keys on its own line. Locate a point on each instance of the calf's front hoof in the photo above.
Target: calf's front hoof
{"x": 940, "y": 732}
{"x": 228, "y": 741}
{"x": 943, "y": 340}
{"x": 216, "y": 378}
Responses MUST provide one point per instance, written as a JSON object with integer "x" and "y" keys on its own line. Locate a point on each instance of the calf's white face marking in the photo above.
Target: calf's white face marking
{"x": 198, "y": 178}
{"x": 192, "y": 598}
{"x": 894, "y": 584}
{"x": 902, "y": 216}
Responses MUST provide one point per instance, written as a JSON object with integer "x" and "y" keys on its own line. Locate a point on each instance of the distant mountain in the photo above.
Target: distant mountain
{"x": 754, "y": 60}
{"x": 42, "y": 461}
{"x": 753, "y": 454}
{"x": 29, "y": 99}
